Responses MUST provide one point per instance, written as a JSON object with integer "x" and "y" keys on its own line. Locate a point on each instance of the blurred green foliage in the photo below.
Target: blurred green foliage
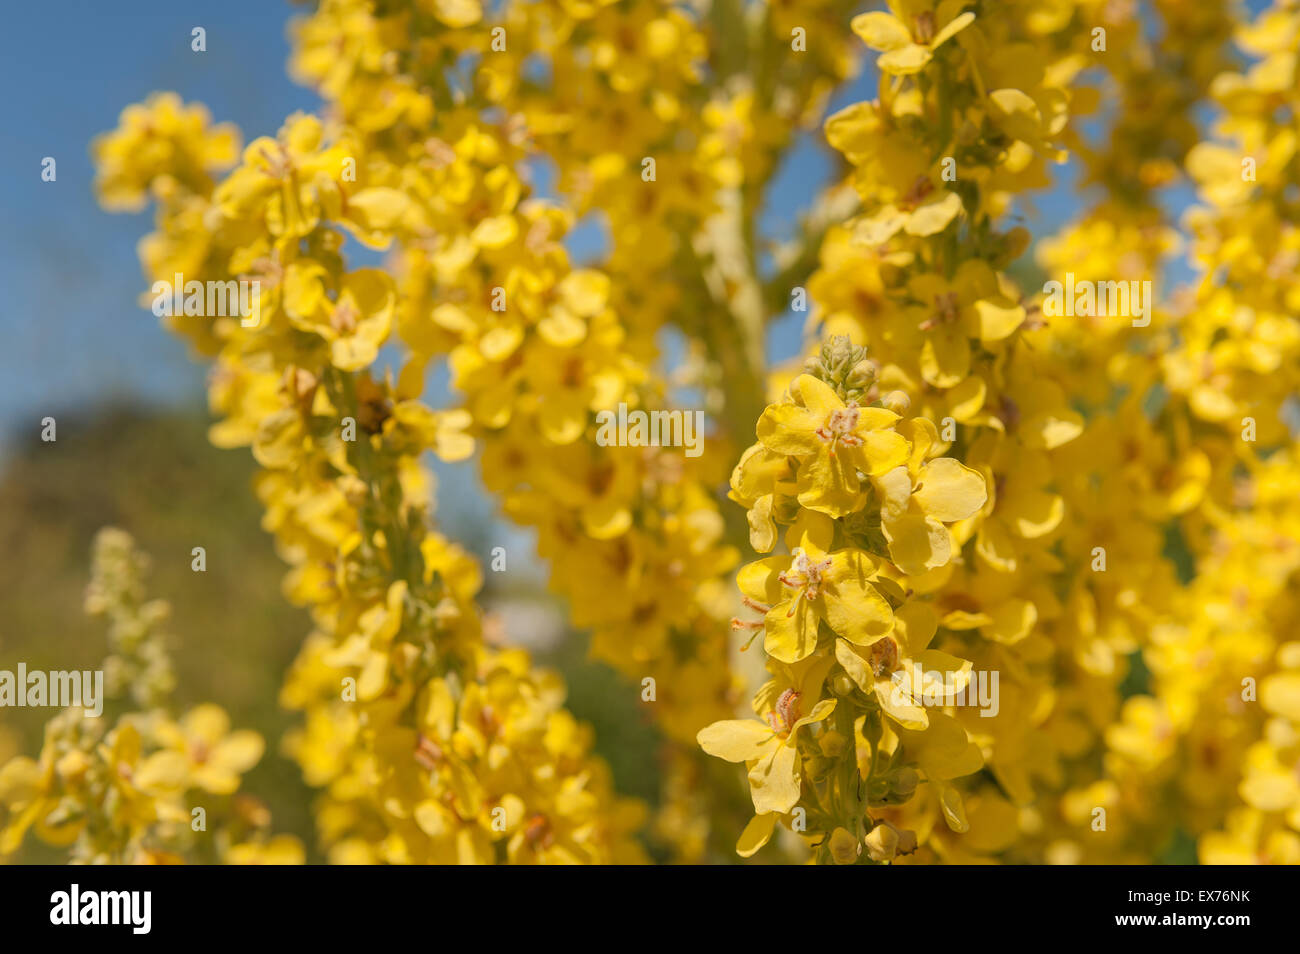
{"x": 156, "y": 476}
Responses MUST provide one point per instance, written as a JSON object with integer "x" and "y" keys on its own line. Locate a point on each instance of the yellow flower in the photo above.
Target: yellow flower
{"x": 833, "y": 442}
{"x": 214, "y": 757}
{"x": 770, "y": 748}
{"x": 161, "y": 137}
{"x": 902, "y": 672}
{"x": 952, "y": 313}
{"x": 912, "y": 33}
{"x": 797, "y": 593}
{"x": 354, "y": 323}
{"x": 901, "y": 185}
{"x": 916, "y": 506}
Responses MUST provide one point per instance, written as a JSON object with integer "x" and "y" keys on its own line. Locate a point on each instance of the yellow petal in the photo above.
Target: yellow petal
{"x": 812, "y": 531}
{"x": 933, "y": 217}
{"x": 239, "y": 751}
{"x": 458, "y": 13}
{"x": 943, "y": 676}
{"x": 917, "y": 543}
{"x": 736, "y": 740}
{"x": 1270, "y": 791}
{"x": 830, "y": 483}
{"x": 955, "y": 26}
{"x": 879, "y": 228}
{"x": 756, "y": 834}
{"x": 1012, "y": 621}
{"x": 904, "y": 61}
{"x": 1051, "y": 428}
{"x": 762, "y": 528}
{"x": 584, "y": 291}
{"x": 1280, "y": 694}
{"x": 791, "y": 630}
{"x": 787, "y": 429}
{"x": 816, "y": 395}
{"x": 208, "y": 722}
{"x": 1032, "y": 513}
{"x": 881, "y": 451}
{"x": 606, "y": 518}
{"x": 950, "y": 491}
{"x": 562, "y": 328}
{"x": 774, "y": 781}
{"x": 496, "y": 232}
{"x": 915, "y": 624}
{"x": 855, "y": 664}
{"x": 162, "y": 771}
{"x": 378, "y": 208}
{"x": 1016, "y": 114}
{"x": 896, "y": 701}
{"x": 819, "y": 712}
{"x": 881, "y": 31}
{"x": 758, "y": 580}
{"x": 996, "y": 321}
{"x": 945, "y": 358}
{"x": 854, "y": 608}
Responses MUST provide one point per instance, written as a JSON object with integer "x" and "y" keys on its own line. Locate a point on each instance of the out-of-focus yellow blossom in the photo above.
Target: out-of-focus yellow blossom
{"x": 124, "y": 787}
{"x": 1101, "y": 512}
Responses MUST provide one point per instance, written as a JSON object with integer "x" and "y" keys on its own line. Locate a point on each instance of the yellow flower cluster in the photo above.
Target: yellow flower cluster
{"x": 1026, "y": 586}
{"x": 145, "y": 788}
{"x": 870, "y": 507}
{"x": 971, "y": 110}
{"x": 674, "y": 165}
{"x": 1209, "y": 747}
{"x": 405, "y": 705}
{"x": 535, "y": 345}
{"x": 1104, "y": 442}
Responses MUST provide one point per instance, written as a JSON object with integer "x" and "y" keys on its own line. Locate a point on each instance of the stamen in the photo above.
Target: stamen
{"x": 925, "y": 26}
{"x": 344, "y": 318}
{"x": 884, "y": 657}
{"x": 839, "y": 427}
{"x": 427, "y": 752}
{"x": 786, "y": 712}
{"x": 805, "y": 576}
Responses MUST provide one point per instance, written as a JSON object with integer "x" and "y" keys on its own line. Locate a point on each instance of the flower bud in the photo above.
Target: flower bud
{"x": 844, "y": 847}
{"x": 72, "y": 766}
{"x": 833, "y": 744}
{"x": 882, "y": 842}
{"x": 844, "y": 367}
{"x": 896, "y": 401}
{"x": 904, "y": 782}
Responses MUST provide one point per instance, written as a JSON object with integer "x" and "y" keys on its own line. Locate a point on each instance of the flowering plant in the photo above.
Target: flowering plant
{"x": 1006, "y": 580}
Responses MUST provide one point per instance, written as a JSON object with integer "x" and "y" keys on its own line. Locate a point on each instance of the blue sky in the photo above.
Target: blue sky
{"x": 71, "y": 328}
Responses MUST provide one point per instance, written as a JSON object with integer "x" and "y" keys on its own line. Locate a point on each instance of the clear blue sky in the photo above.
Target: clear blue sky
{"x": 71, "y": 329}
